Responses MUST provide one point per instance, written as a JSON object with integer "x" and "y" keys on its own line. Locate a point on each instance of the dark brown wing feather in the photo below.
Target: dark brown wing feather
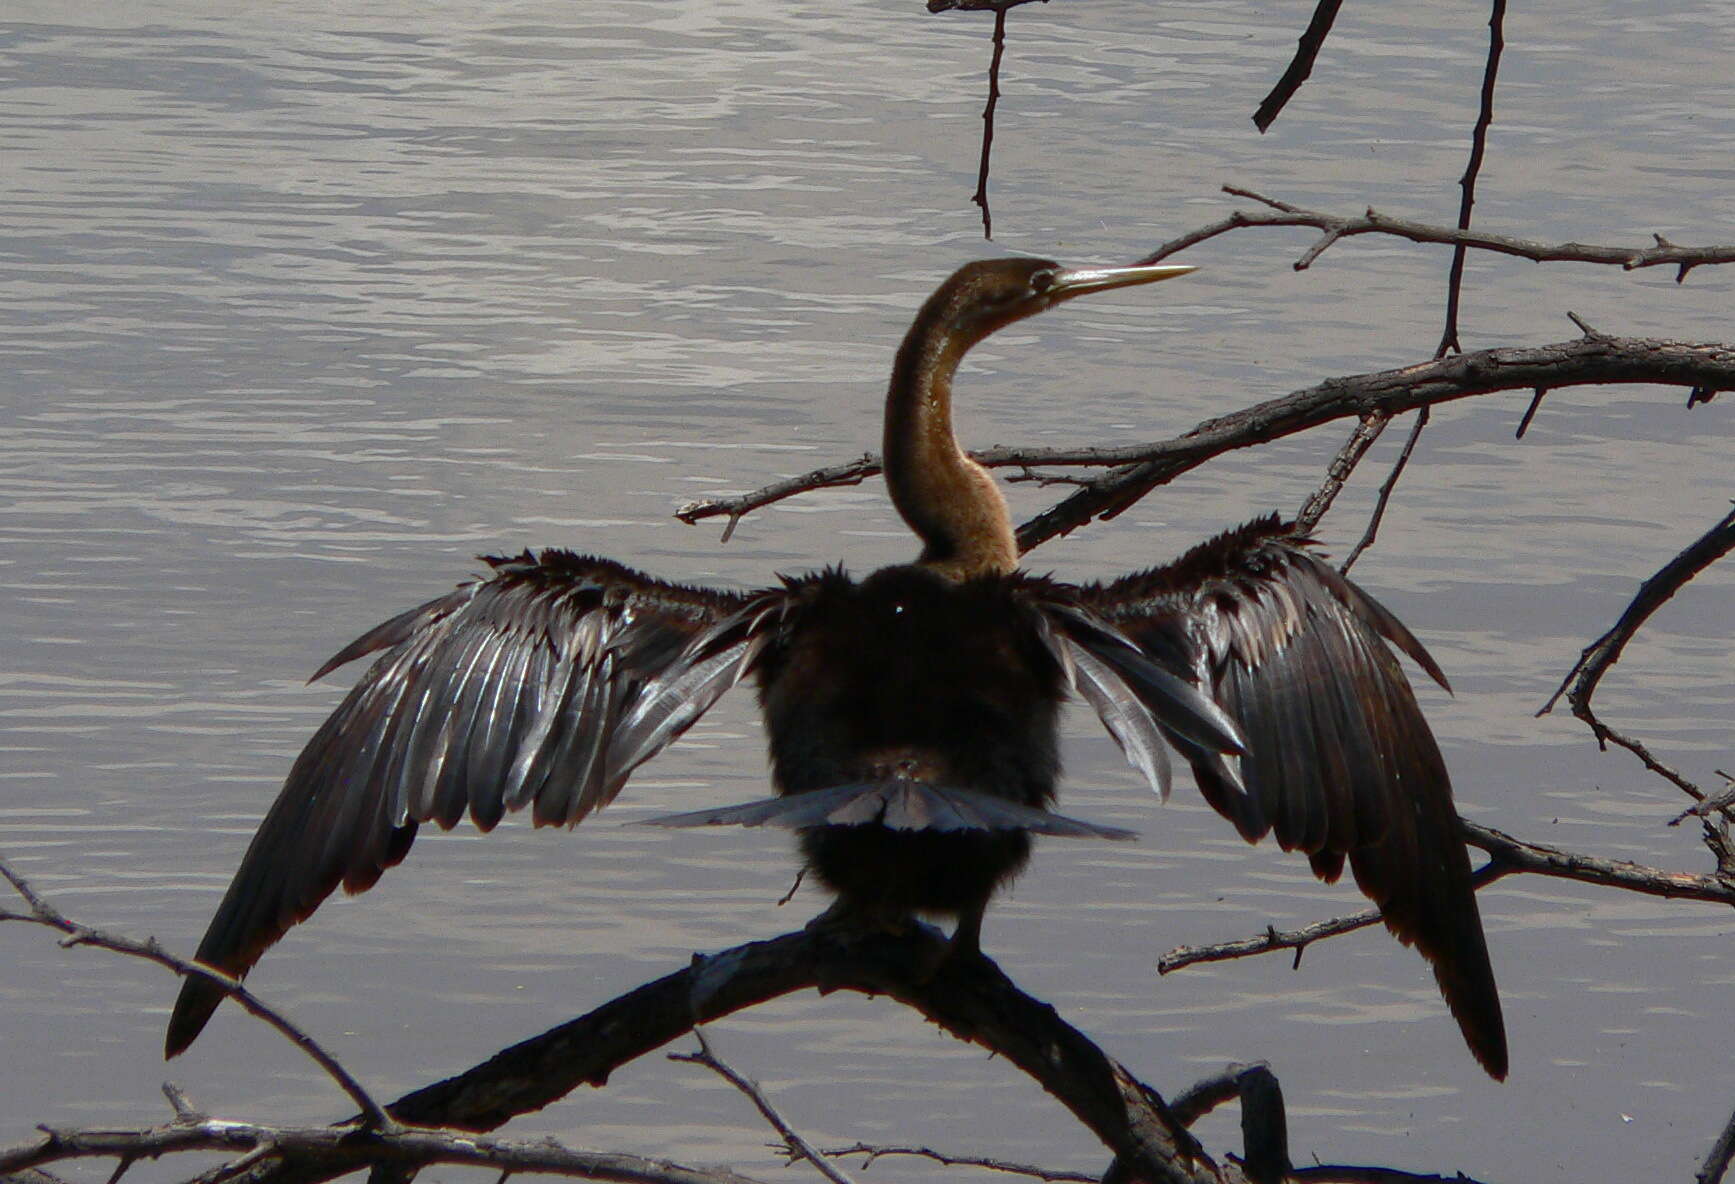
{"x": 544, "y": 685}
{"x": 1339, "y": 760}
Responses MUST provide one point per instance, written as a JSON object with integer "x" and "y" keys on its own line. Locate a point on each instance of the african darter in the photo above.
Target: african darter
{"x": 912, "y": 715}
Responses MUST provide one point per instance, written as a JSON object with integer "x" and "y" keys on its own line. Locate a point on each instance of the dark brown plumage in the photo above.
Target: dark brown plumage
{"x": 911, "y": 715}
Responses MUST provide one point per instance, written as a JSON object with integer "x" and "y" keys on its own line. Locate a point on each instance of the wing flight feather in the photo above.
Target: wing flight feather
{"x": 544, "y": 685}
{"x": 1338, "y": 760}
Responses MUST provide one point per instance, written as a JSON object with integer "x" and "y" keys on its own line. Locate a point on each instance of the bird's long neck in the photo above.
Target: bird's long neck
{"x": 949, "y": 500}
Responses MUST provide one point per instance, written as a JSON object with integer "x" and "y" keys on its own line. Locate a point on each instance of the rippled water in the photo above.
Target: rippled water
{"x": 304, "y": 308}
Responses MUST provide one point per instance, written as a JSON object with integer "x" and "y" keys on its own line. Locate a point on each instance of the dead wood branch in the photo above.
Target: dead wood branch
{"x": 797, "y": 1146}
{"x": 1337, "y": 227}
{"x": 1598, "y": 657}
{"x": 343, "y": 1149}
{"x": 45, "y": 914}
{"x": 1583, "y": 361}
{"x": 1508, "y": 856}
{"x": 970, "y": 998}
{"x": 1580, "y": 362}
{"x": 1300, "y": 66}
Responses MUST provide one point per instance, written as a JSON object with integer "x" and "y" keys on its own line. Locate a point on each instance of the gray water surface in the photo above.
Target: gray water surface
{"x": 303, "y": 309}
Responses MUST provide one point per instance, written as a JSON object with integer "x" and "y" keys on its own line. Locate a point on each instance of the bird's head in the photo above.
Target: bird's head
{"x": 989, "y": 294}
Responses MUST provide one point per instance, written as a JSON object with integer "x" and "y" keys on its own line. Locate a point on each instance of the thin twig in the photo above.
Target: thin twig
{"x": 1530, "y": 412}
{"x": 1336, "y": 227}
{"x": 1598, "y": 657}
{"x": 1508, "y": 856}
{"x": 1367, "y": 430}
{"x": 1386, "y": 487}
{"x": 43, "y": 913}
{"x": 1300, "y": 66}
{"x": 873, "y": 1152}
{"x": 792, "y": 1139}
{"x": 1472, "y": 170}
{"x": 980, "y": 197}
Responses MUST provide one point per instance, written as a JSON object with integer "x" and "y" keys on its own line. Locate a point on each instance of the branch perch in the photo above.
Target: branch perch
{"x": 1583, "y": 361}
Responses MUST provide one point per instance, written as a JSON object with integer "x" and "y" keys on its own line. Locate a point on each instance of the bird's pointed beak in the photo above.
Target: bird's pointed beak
{"x": 1084, "y": 280}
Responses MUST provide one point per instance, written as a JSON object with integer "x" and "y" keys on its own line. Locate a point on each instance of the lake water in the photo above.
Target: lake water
{"x": 305, "y": 307}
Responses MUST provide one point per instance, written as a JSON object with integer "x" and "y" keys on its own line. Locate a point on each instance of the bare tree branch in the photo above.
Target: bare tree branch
{"x": 1473, "y": 169}
{"x": 1337, "y": 227}
{"x": 1368, "y": 430}
{"x": 1509, "y": 856}
{"x": 1584, "y": 361}
{"x": 969, "y": 997}
{"x": 980, "y": 197}
{"x": 1372, "y": 530}
{"x": 43, "y": 913}
{"x": 1717, "y": 1160}
{"x": 1300, "y": 66}
{"x": 975, "y": 5}
{"x": 799, "y": 1148}
{"x": 872, "y": 1152}
{"x": 1606, "y": 650}
{"x": 342, "y": 1149}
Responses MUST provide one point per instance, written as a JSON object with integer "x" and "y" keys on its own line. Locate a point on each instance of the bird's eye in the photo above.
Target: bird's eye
{"x": 1041, "y": 282}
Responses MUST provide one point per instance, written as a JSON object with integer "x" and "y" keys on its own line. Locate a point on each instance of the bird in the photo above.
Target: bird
{"x": 911, "y": 714}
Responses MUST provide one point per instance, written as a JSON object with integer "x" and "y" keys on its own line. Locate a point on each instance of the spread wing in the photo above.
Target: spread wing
{"x": 544, "y": 686}
{"x": 1339, "y": 761}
